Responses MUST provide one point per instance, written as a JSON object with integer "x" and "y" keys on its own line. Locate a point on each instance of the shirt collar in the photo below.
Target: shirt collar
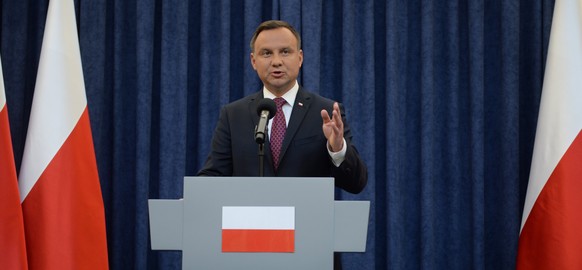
{"x": 290, "y": 96}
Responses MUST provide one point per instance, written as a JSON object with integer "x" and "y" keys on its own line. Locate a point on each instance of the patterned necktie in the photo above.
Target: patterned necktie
{"x": 278, "y": 131}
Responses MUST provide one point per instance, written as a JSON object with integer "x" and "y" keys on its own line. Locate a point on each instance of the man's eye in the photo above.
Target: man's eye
{"x": 266, "y": 53}
{"x": 285, "y": 52}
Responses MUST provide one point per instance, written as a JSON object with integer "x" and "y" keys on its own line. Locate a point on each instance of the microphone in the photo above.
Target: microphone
{"x": 266, "y": 110}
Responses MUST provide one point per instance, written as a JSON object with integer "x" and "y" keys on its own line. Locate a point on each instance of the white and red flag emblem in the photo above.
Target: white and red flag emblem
{"x": 258, "y": 229}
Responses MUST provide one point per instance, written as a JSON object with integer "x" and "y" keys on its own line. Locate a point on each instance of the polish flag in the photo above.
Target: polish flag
{"x": 59, "y": 184}
{"x": 12, "y": 245}
{"x": 551, "y": 230}
{"x": 258, "y": 229}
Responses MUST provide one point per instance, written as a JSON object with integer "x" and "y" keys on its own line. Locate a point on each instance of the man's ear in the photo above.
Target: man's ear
{"x": 252, "y": 56}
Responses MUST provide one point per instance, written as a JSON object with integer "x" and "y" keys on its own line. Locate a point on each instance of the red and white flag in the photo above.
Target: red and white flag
{"x": 12, "y": 245}
{"x": 258, "y": 229}
{"x": 551, "y": 230}
{"x": 59, "y": 184}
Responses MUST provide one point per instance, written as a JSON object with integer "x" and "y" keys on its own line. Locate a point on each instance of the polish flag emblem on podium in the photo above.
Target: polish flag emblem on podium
{"x": 258, "y": 229}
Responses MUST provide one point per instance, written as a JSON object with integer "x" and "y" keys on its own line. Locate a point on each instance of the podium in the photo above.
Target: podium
{"x": 321, "y": 226}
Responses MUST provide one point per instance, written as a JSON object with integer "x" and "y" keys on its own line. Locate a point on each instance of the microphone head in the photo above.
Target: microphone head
{"x": 267, "y": 104}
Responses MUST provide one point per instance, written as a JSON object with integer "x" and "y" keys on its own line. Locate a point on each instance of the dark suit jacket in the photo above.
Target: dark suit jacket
{"x": 303, "y": 153}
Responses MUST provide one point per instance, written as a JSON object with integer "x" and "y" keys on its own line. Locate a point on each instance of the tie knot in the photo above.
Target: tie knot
{"x": 280, "y": 102}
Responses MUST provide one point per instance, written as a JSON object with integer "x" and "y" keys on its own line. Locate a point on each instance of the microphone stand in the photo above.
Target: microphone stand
{"x": 260, "y": 140}
{"x": 261, "y": 159}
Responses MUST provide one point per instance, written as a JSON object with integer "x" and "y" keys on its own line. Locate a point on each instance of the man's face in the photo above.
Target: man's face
{"x": 277, "y": 59}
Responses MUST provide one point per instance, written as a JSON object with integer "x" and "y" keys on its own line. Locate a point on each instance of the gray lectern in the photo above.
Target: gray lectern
{"x": 195, "y": 223}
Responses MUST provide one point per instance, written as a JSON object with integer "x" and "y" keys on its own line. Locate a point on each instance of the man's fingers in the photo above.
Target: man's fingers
{"x": 325, "y": 116}
{"x": 337, "y": 115}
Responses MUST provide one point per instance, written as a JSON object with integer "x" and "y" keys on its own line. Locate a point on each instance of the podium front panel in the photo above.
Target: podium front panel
{"x": 205, "y": 197}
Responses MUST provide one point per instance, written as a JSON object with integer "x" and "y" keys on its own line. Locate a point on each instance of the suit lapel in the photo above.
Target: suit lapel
{"x": 253, "y": 105}
{"x": 300, "y": 109}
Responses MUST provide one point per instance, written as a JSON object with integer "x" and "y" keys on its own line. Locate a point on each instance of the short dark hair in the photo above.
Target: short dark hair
{"x": 274, "y": 24}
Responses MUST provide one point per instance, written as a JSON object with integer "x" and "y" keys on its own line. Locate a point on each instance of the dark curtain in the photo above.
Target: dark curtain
{"x": 442, "y": 98}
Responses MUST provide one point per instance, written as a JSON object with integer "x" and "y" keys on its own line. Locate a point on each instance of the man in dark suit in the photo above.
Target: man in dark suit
{"x": 314, "y": 144}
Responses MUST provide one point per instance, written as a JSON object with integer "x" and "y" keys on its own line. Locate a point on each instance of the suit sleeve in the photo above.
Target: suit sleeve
{"x": 219, "y": 160}
{"x": 352, "y": 174}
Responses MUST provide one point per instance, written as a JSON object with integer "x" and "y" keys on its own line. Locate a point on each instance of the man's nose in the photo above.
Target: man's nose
{"x": 277, "y": 60}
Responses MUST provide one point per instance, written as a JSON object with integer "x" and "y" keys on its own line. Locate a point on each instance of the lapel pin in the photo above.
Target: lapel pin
{"x": 300, "y": 104}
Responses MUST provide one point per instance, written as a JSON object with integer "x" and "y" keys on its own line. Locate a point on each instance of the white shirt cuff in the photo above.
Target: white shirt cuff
{"x": 338, "y": 157}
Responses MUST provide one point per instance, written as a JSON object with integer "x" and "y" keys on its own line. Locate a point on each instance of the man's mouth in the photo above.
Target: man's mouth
{"x": 277, "y": 74}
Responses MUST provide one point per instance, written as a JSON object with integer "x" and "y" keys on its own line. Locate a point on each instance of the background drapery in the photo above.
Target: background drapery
{"x": 442, "y": 98}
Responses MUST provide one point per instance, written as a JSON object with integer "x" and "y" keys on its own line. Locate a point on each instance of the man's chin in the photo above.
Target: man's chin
{"x": 279, "y": 86}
